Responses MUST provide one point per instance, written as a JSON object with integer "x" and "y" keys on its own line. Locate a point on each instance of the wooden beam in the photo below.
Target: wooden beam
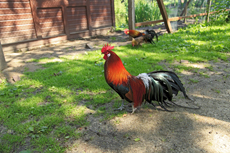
{"x": 131, "y": 14}
{"x": 195, "y": 15}
{"x": 174, "y": 18}
{"x": 164, "y": 15}
{"x": 148, "y": 23}
{"x": 189, "y": 16}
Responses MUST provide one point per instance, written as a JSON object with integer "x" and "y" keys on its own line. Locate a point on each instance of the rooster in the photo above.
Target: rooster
{"x": 154, "y": 86}
{"x": 133, "y": 33}
{"x": 139, "y": 37}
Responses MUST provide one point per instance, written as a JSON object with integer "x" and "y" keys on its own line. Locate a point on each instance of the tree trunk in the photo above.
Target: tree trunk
{"x": 208, "y": 10}
{"x": 3, "y": 64}
{"x": 185, "y": 8}
{"x": 201, "y": 4}
{"x": 131, "y": 14}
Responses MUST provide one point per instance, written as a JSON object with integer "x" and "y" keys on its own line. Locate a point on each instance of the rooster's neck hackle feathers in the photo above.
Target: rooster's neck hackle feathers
{"x": 115, "y": 71}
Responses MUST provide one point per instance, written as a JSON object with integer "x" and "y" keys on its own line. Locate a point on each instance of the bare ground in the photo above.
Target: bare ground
{"x": 148, "y": 130}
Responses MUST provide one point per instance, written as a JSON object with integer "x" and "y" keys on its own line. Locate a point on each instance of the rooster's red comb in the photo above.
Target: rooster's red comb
{"x": 126, "y": 31}
{"x": 106, "y": 48}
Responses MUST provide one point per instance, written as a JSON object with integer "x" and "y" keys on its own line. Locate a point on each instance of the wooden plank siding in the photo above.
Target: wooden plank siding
{"x": 31, "y": 22}
{"x": 16, "y": 21}
{"x": 50, "y": 21}
{"x": 101, "y": 14}
{"x": 77, "y": 19}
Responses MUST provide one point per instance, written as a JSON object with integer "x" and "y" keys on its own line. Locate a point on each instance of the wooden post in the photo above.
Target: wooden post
{"x": 36, "y": 19}
{"x": 208, "y": 10}
{"x": 131, "y": 14}
{"x": 3, "y": 64}
{"x": 164, "y": 15}
{"x": 64, "y": 12}
{"x": 113, "y": 13}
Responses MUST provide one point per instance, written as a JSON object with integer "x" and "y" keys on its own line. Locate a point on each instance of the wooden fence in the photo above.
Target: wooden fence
{"x": 174, "y": 18}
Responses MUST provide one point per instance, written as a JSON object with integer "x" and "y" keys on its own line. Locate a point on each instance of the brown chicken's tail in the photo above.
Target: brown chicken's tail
{"x": 151, "y": 36}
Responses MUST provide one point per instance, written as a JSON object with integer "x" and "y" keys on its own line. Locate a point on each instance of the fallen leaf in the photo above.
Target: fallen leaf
{"x": 137, "y": 139}
{"x": 31, "y": 128}
{"x": 10, "y": 131}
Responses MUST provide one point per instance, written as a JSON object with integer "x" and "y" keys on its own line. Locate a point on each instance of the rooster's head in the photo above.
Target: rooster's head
{"x": 105, "y": 50}
{"x": 126, "y": 31}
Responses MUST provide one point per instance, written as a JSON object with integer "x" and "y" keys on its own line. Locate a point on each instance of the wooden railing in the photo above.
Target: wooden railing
{"x": 174, "y": 18}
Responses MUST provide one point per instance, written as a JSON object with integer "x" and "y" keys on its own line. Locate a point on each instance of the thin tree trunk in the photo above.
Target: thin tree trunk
{"x": 185, "y": 12}
{"x": 185, "y": 8}
{"x": 202, "y": 3}
{"x": 208, "y": 10}
{"x": 3, "y": 64}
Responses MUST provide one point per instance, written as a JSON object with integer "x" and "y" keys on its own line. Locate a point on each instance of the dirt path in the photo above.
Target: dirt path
{"x": 149, "y": 130}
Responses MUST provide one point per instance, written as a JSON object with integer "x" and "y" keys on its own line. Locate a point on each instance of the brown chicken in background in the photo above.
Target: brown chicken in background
{"x": 139, "y": 37}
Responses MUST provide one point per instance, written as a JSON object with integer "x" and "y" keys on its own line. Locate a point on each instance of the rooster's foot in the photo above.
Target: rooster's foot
{"x": 121, "y": 107}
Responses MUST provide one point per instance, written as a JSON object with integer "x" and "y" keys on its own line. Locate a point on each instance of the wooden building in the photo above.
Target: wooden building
{"x": 29, "y": 23}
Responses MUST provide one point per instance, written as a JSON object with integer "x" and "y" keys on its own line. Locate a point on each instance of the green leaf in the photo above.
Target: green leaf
{"x": 137, "y": 139}
{"x": 31, "y": 129}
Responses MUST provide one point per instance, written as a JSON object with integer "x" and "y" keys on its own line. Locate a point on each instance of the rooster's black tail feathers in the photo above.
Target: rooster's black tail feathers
{"x": 163, "y": 85}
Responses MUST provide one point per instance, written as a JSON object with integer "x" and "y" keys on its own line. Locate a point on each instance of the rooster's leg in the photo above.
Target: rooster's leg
{"x": 133, "y": 109}
{"x": 122, "y": 106}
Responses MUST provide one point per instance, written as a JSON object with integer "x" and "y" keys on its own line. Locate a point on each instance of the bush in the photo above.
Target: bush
{"x": 145, "y": 10}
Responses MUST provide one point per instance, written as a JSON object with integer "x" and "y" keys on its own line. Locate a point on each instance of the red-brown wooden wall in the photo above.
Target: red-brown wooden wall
{"x": 29, "y": 23}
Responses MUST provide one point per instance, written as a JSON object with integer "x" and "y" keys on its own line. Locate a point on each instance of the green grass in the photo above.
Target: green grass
{"x": 43, "y": 111}
{"x": 193, "y": 81}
